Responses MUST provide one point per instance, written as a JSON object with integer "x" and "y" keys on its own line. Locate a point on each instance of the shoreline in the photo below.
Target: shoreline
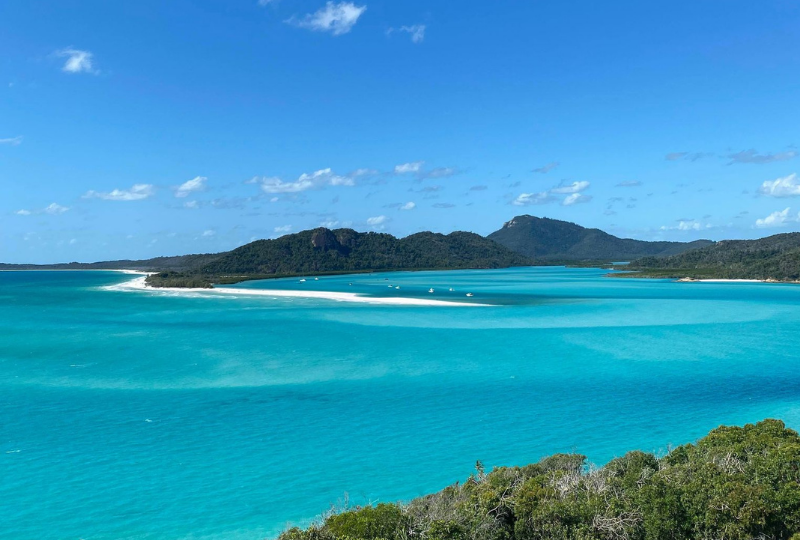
{"x": 138, "y": 284}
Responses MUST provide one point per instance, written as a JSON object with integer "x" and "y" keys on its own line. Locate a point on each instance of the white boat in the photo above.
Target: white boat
{"x": 302, "y": 280}
{"x": 469, "y": 294}
{"x": 451, "y": 289}
{"x": 316, "y": 279}
{"x": 430, "y": 290}
{"x": 397, "y": 287}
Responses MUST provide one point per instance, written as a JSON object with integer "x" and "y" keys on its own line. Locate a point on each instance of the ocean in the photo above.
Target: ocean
{"x": 160, "y": 415}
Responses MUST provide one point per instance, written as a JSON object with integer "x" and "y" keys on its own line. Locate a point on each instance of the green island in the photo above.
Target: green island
{"x": 774, "y": 258}
{"x": 323, "y": 252}
{"x": 523, "y": 241}
{"x": 736, "y": 483}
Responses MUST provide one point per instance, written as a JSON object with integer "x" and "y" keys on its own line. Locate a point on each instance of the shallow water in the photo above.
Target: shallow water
{"x": 191, "y": 416}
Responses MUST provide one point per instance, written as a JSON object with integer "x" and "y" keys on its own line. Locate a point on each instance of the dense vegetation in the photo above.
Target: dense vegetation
{"x": 772, "y": 258}
{"x": 321, "y": 251}
{"x": 551, "y": 240}
{"x": 734, "y": 484}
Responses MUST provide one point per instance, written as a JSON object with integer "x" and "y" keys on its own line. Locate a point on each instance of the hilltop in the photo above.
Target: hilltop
{"x": 549, "y": 240}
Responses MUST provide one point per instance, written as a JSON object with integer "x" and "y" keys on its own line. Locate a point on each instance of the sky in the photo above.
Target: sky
{"x": 134, "y": 129}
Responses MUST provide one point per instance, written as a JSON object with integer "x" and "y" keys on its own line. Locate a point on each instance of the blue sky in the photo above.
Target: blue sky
{"x": 138, "y": 129}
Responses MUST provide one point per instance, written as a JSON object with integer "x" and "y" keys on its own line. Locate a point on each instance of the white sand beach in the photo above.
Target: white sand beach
{"x": 139, "y": 284}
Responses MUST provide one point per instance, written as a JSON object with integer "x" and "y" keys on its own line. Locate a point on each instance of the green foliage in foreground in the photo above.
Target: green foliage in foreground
{"x": 734, "y": 484}
{"x": 178, "y": 279}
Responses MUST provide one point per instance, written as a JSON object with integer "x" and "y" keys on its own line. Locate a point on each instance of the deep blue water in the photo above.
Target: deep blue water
{"x": 163, "y": 416}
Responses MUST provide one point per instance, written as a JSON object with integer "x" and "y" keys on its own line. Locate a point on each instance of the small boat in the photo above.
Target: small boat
{"x": 469, "y": 294}
{"x": 430, "y": 290}
{"x": 397, "y": 287}
{"x": 451, "y": 289}
{"x": 390, "y": 286}
{"x": 316, "y": 279}
{"x": 302, "y": 280}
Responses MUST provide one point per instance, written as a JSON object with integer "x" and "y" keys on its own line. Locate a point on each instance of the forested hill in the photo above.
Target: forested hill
{"x": 734, "y": 484}
{"x": 345, "y": 250}
{"x": 544, "y": 239}
{"x": 774, "y": 257}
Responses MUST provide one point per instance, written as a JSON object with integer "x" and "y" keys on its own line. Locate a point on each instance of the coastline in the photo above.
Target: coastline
{"x": 138, "y": 284}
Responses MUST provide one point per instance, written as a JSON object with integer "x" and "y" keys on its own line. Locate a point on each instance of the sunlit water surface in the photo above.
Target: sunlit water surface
{"x": 165, "y": 416}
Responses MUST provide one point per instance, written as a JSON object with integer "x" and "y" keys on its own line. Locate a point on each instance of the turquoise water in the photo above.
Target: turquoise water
{"x": 163, "y": 416}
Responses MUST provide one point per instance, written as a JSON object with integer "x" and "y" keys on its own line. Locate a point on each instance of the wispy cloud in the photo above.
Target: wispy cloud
{"x": 377, "y": 222}
{"x": 306, "y": 181}
{"x": 688, "y": 156}
{"x": 779, "y": 218}
{"x": 529, "y": 199}
{"x": 78, "y": 61}
{"x": 787, "y": 186}
{"x": 629, "y": 183}
{"x": 415, "y": 31}
{"x": 573, "y": 191}
{"x": 574, "y": 187}
{"x": 752, "y": 156}
{"x": 686, "y": 225}
{"x": 410, "y": 205}
{"x": 137, "y": 192}
{"x": 12, "y": 141}
{"x": 334, "y": 18}
{"x": 283, "y": 229}
{"x": 53, "y": 209}
{"x": 576, "y": 198}
{"x": 198, "y": 183}
{"x": 547, "y": 168}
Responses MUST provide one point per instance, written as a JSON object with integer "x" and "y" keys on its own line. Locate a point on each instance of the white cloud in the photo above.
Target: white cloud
{"x": 575, "y": 187}
{"x": 787, "y": 186}
{"x": 266, "y": 2}
{"x": 528, "y": 199}
{"x": 137, "y": 192}
{"x": 405, "y": 168}
{"x": 409, "y": 206}
{"x": 198, "y": 183}
{"x": 630, "y": 183}
{"x": 335, "y": 18}
{"x": 306, "y": 181}
{"x": 575, "y": 198}
{"x": 55, "y": 208}
{"x": 283, "y": 229}
{"x": 52, "y": 209}
{"x": 687, "y": 225}
{"x": 573, "y": 192}
{"x": 191, "y": 204}
{"x": 329, "y": 224}
{"x": 78, "y": 61}
{"x": 377, "y": 221}
{"x": 776, "y": 219}
{"x": 415, "y": 31}
{"x": 12, "y": 141}
{"x": 274, "y": 199}
{"x": 208, "y": 233}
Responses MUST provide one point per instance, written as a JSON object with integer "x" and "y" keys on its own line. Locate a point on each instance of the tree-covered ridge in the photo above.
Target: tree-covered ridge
{"x": 774, "y": 257}
{"x": 544, "y": 239}
{"x": 734, "y": 484}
